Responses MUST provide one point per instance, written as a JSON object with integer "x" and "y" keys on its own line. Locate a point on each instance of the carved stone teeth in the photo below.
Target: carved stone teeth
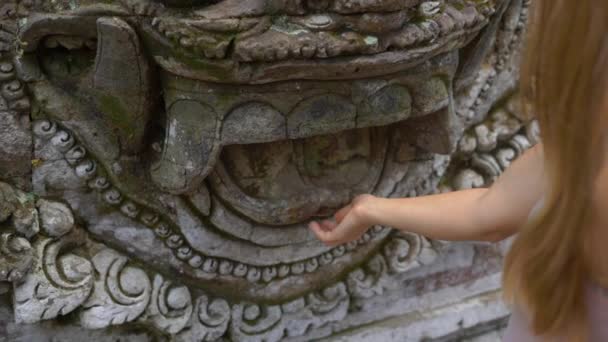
{"x": 283, "y": 271}
{"x": 312, "y": 265}
{"x": 269, "y": 273}
{"x": 86, "y": 169}
{"x": 196, "y": 261}
{"x": 45, "y": 129}
{"x": 240, "y": 270}
{"x": 338, "y": 251}
{"x": 174, "y": 241}
{"x": 99, "y": 183}
{"x": 297, "y": 268}
{"x": 63, "y": 141}
{"x": 226, "y": 267}
{"x": 149, "y": 219}
{"x": 184, "y": 253}
{"x": 210, "y": 265}
{"x": 365, "y": 238}
{"x": 112, "y": 196}
{"x": 75, "y": 154}
{"x": 162, "y": 230}
{"x": 129, "y": 209}
{"x": 254, "y": 274}
{"x": 325, "y": 259}
{"x": 351, "y": 245}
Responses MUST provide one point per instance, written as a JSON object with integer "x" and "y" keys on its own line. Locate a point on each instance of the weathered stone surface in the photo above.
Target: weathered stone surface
{"x": 253, "y": 123}
{"x": 16, "y": 257}
{"x": 58, "y": 284}
{"x": 178, "y": 150}
{"x": 122, "y": 81}
{"x": 16, "y": 148}
{"x": 120, "y": 294}
{"x": 56, "y": 218}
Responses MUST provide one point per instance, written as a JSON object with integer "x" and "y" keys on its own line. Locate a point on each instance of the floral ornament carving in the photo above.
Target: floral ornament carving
{"x": 121, "y": 292}
{"x": 490, "y": 146}
{"x": 107, "y": 288}
{"x": 59, "y": 282}
{"x": 209, "y": 321}
{"x": 18, "y": 213}
{"x": 16, "y": 257}
{"x": 402, "y": 253}
{"x": 170, "y": 307}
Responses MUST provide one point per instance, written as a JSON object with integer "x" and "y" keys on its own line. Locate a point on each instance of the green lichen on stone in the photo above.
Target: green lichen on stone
{"x": 115, "y": 112}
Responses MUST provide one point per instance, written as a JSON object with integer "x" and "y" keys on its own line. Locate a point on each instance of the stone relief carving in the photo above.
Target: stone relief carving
{"x": 177, "y": 150}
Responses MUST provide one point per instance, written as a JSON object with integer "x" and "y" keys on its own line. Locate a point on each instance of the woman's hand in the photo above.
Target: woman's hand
{"x": 351, "y": 222}
{"x": 475, "y": 214}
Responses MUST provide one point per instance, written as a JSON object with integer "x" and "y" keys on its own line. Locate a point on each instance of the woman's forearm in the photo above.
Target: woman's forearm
{"x": 478, "y": 214}
{"x": 449, "y": 216}
{"x": 488, "y": 214}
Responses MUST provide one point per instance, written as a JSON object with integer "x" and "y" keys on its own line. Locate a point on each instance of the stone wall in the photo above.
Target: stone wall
{"x": 160, "y": 161}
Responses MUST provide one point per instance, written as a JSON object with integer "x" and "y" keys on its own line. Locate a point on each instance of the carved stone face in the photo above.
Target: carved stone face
{"x": 202, "y": 136}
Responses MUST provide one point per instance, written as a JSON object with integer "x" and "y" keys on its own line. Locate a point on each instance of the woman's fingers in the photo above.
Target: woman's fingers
{"x": 328, "y": 225}
{"x": 341, "y": 214}
{"x": 332, "y": 234}
{"x": 322, "y": 234}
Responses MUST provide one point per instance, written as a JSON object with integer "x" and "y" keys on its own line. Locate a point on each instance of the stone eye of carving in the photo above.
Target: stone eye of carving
{"x": 65, "y": 57}
{"x": 189, "y": 3}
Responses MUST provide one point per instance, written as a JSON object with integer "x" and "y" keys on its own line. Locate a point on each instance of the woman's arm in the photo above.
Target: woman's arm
{"x": 478, "y": 214}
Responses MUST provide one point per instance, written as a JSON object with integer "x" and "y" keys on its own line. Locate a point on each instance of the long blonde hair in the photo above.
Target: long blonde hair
{"x": 564, "y": 83}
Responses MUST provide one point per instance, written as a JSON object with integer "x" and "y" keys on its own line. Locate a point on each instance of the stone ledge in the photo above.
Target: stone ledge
{"x": 451, "y": 316}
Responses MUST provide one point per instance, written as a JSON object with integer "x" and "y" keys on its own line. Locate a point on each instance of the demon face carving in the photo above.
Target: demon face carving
{"x": 200, "y": 137}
